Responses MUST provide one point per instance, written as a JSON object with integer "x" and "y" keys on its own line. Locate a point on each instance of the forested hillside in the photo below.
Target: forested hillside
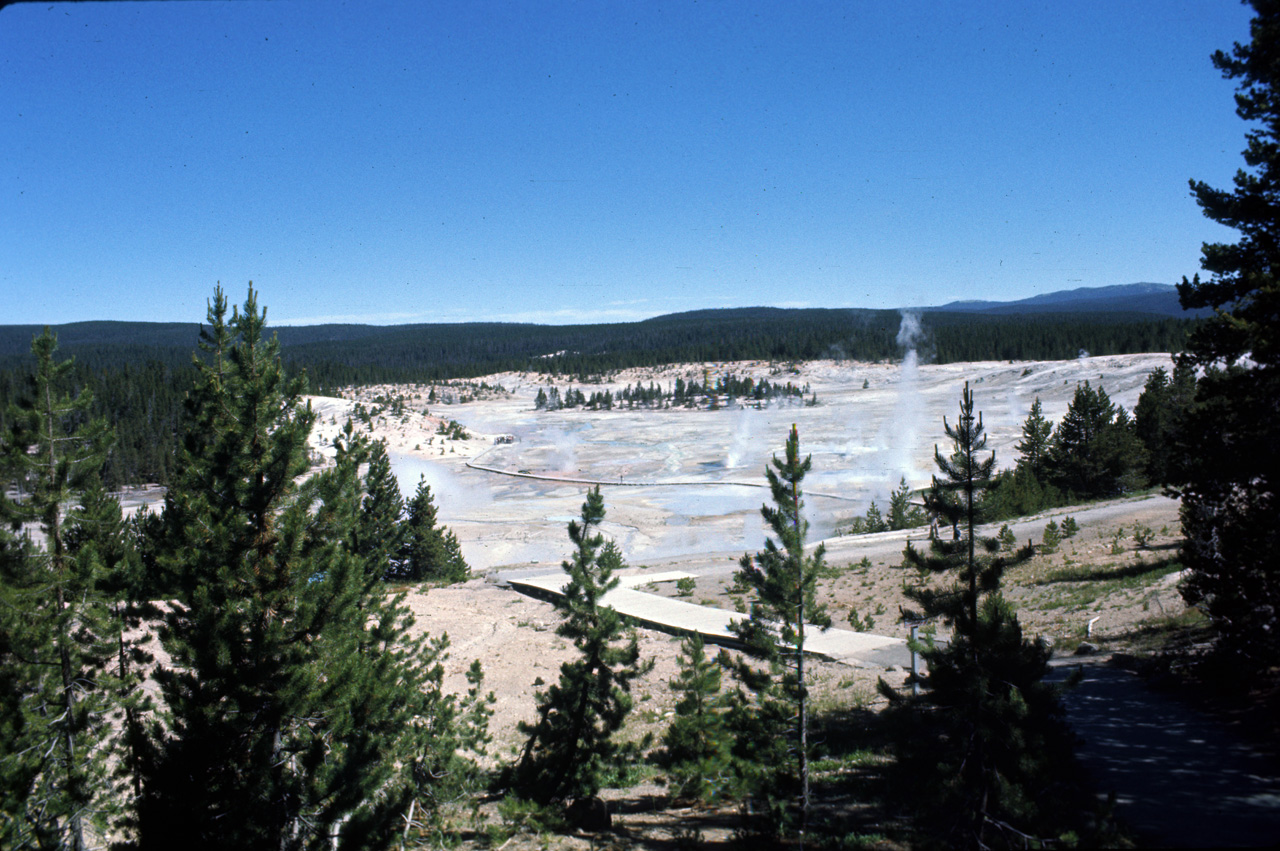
{"x": 140, "y": 372}
{"x": 1161, "y": 299}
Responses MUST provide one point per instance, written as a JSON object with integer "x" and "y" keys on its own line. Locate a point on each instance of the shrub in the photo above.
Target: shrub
{"x": 1052, "y": 537}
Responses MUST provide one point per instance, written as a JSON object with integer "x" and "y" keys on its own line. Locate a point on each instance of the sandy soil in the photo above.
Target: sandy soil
{"x": 1057, "y": 595}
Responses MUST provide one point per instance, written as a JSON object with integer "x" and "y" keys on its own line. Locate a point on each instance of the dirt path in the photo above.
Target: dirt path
{"x": 1181, "y": 778}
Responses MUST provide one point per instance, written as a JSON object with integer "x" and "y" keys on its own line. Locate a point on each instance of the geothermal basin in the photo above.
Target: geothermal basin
{"x": 689, "y": 483}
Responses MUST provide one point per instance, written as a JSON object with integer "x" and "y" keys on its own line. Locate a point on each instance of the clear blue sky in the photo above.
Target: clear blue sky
{"x": 389, "y": 162}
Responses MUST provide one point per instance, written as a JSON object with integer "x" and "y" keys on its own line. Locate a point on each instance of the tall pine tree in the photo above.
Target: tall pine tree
{"x": 1228, "y": 471}
{"x": 380, "y": 534}
{"x": 105, "y": 546}
{"x": 291, "y": 692}
{"x": 429, "y": 550}
{"x": 17, "y": 769}
{"x": 57, "y": 620}
{"x": 986, "y": 743}
{"x": 572, "y": 751}
{"x": 1094, "y": 452}
{"x": 783, "y": 610}
{"x": 1033, "y": 449}
{"x": 1158, "y": 419}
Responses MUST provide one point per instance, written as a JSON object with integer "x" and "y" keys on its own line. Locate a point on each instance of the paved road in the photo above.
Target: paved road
{"x": 1181, "y": 778}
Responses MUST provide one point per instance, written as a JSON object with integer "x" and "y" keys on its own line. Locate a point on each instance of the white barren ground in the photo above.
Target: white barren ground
{"x": 683, "y": 489}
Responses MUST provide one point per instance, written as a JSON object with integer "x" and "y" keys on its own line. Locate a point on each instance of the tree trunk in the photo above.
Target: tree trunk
{"x": 803, "y": 694}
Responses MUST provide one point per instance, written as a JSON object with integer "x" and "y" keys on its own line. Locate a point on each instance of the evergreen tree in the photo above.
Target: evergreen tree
{"x": 1052, "y": 537}
{"x": 430, "y": 551}
{"x": 956, "y": 501}
{"x": 572, "y": 752}
{"x": 17, "y": 768}
{"x": 292, "y": 691}
{"x": 1033, "y": 449}
{"x": 783, "y": 582}
{"x": 450, "y": 732}
{"x": 57, "y": 620}
{"x": 105, "y": 546}
{"x": 1158, "y": 418}
{"x": 1017, "y": 493}
{"x": 987, "y": 742}
{"x": 1124, "y": 456}
{"x": 875, "y": 521}
{"x": 1229, "y": 464}
{"x": 696, "y": 746}
{"x": 1094, "y": 451}
{"x": 1006, "y": 539}
{"x": 902, "y": 514}
{"x": 1076, "y": 466}
{"x": 379, "y": 535}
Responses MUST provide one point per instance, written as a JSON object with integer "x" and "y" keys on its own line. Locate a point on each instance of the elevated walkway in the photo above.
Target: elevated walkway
{"x": 859, "y": 649}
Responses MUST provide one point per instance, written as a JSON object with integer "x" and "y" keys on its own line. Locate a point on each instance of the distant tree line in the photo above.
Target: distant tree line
{"x": 683, "y": 394}
{"x": 953, "y": 338}
{"x": 140, "y": 372}
{"x": 141, "y": 402}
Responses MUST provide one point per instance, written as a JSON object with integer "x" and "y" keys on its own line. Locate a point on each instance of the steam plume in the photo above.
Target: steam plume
{"x": 908, "y": 409}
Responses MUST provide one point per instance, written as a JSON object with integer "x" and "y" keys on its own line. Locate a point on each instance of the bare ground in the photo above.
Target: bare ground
{"x": 1102, "y": 584}
{"x": 1095, "y": 575}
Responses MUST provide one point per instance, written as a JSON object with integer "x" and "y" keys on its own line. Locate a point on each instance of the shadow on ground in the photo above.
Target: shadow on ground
{"x": 1181, "y": 778}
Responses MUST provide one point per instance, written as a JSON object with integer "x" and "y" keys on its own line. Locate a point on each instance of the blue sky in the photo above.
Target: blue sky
{"x": 393, "y": 162}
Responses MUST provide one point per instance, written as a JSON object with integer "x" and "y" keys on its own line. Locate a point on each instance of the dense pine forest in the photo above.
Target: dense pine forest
{"x": 140, "y": 372}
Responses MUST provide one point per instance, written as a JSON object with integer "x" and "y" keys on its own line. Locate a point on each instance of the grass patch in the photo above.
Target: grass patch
{"x": 1130, "y": 576}
{"x": 1078, "y": 587}
{"x": 1074, "y": 598}
{"x": 849, "y": 697}
{"x": 1168, "y": 632}
{"x": 862, "y": 758}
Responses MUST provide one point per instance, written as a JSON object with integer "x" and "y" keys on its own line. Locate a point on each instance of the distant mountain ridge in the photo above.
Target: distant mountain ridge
{"x": 1145, "y": 297}
{"x": 1118, "y": 319}
{"x": 1133, "y": 300}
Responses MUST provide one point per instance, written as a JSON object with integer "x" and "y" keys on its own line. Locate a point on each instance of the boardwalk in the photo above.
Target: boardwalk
{"x": 677, "y": 616}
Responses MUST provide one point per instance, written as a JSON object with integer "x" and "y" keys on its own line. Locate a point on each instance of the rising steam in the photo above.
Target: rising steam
{"x": 909, "y": 408}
